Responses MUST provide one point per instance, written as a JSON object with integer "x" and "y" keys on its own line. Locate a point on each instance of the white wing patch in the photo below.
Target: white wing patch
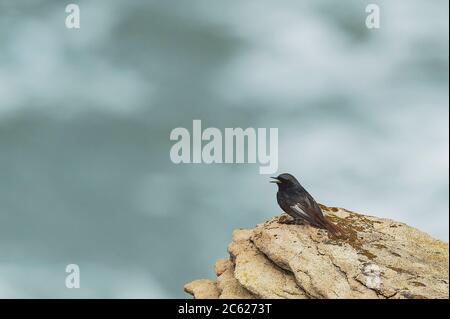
{"x": 308, "y": 202}
{"x": 299, "y": 210}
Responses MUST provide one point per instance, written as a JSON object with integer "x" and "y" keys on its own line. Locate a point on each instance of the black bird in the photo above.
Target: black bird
{"x": 300, "y": 205}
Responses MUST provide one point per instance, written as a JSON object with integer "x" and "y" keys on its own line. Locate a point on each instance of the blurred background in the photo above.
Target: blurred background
{"x": 85, "y": 118}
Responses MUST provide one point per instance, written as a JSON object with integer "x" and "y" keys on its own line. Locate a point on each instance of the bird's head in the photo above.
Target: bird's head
{"x": 285, "y": 181}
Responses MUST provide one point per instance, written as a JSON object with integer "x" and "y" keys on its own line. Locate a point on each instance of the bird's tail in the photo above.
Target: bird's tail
{"x": 332, "y": 228}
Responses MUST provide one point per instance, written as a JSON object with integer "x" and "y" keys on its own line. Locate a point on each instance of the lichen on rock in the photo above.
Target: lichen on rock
{"x": 375, "y": 258}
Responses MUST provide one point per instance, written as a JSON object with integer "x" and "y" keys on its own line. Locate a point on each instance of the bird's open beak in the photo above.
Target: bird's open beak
{"x": 275, "y": 180}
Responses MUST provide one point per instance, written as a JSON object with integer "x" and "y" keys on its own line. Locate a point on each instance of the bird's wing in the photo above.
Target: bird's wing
{"x": 311, "y": 205}
{"x": 299, "y": 211}
{"x": 311, "y": 212}
{"x": 307, "y": 207}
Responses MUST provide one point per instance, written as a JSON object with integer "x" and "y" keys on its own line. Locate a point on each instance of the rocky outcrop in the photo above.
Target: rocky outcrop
{"x": 203, "y": 289}
{"x": 375, "y": 258}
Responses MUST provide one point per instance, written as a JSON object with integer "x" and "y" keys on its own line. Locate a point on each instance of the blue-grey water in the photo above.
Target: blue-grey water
{"x": 85, "y": 118}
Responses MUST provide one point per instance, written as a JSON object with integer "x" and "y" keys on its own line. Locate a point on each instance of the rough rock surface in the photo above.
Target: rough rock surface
{"x": 202, "y": 289}
{"x": 229, "y": 287}
{"x": 258, "y": 274}
{"x": 375, "y": 258}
